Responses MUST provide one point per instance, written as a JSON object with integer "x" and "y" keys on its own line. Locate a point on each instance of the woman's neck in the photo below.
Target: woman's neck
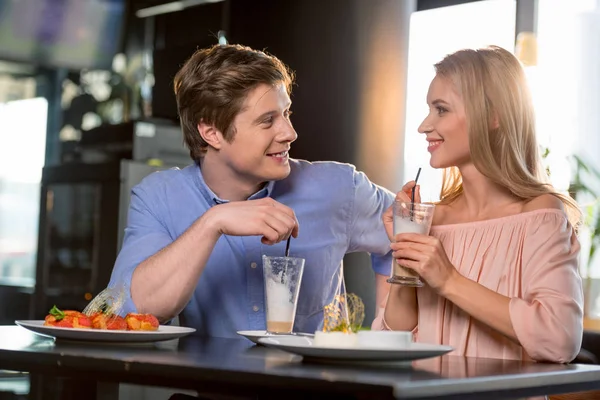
{"x": 482, "y": 198}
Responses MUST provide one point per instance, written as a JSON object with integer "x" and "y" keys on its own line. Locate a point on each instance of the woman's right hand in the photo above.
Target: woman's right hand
{"x": 404, "y": 195}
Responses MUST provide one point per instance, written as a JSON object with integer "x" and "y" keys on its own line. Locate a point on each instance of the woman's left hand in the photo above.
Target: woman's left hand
{"x": 427, "y": 257}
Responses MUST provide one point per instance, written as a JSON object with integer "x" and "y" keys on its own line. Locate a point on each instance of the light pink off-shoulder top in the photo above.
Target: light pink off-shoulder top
{"x": 532, "y": 258}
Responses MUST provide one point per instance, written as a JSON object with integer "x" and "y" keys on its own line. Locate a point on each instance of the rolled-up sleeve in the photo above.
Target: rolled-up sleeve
{"x": 145, "y": 235}
{"x": 367, "y": 232}
{"x": 548, "y": 317}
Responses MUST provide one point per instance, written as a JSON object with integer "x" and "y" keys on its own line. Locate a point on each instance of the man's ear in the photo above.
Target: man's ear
{"x": 210, "y": 134}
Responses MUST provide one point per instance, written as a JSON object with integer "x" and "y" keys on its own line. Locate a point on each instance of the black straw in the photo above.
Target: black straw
{"x": 412, "y": 200}
{"x": 287, "y": 246}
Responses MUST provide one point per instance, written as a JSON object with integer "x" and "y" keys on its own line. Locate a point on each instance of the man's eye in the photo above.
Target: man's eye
{"x": 268, "y": 121}
{"x": 288, "y": 113}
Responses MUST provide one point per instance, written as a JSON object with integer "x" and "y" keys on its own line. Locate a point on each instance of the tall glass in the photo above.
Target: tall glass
{"x": 410, "y": 218}
{"x": 282, "y": 277}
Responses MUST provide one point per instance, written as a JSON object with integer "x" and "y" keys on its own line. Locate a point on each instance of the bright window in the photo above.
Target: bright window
{"x": 433, "y": 34}
{"x": 562, "y": 80}
{"x": 568, "y": 99}
{"x": 22, "y": 148}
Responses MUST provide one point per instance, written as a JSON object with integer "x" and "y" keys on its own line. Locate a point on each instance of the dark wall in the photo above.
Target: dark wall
{"x": 317, "y": 39}
{"x": 350, "y": 60}
{"x": 350, "y": 57}
{"x": 176, "y": 36}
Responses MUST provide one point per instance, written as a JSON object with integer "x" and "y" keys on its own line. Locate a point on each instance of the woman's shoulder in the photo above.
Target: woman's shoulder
{"x": 545, "y": 201}
{"x": 539, "y": 208}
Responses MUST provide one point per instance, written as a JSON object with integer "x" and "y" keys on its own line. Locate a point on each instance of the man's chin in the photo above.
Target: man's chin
{"x": 279, "y": 175}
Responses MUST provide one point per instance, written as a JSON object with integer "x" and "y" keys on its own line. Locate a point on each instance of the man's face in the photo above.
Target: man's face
{"x": 262, "y": 139}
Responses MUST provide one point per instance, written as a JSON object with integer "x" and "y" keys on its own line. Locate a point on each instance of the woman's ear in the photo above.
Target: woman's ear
{"x": 495, "y": 123}
{"x": 211, "y": 135}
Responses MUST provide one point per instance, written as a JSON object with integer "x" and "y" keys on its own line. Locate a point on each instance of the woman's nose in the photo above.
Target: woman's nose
{"x": 425, "y": 127}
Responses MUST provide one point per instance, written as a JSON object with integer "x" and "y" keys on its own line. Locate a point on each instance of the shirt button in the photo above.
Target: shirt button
{"x": 255, "y": 308}
{"x": 253, "y": 265}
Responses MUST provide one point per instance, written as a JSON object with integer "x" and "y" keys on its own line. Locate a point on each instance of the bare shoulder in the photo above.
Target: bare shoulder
{"x": 543, "y": 202}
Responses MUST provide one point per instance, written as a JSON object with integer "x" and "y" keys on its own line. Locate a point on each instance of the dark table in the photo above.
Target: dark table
{"x": 237, "y": 367}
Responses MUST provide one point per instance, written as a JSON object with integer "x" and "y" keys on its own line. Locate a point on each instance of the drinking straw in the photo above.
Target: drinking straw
{"x": 287, "y": 246}
{"x": 412, "y": 200}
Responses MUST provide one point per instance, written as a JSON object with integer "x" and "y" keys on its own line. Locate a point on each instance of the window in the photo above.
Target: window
{"x": 563, "y": 83}
{"x": 567, "y": 95}
{"x": 22, "y": 148}
{"x": 433, "y": 34}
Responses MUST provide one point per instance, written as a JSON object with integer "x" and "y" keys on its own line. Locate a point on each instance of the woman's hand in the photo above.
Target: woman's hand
{"x": 427, "y": 257}
{"x": 404, "y": 195}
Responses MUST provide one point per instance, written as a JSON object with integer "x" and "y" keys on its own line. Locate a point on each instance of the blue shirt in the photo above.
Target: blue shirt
{"x": 338, "y": 209}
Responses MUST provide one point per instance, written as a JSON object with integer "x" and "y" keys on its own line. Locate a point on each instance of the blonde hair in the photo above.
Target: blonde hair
{"x": 501, "y": 124}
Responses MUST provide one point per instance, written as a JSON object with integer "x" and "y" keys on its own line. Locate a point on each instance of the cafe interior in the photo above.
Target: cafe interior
{"x": 87, "y": 110}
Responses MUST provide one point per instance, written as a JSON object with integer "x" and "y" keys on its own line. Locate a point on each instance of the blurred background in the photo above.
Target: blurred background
{"x": 87, "y": 110}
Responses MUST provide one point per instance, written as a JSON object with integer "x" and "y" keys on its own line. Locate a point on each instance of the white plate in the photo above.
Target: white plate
{"x": 164, "y": 332}
{"x": 303, "y": 346}
{"x": 255, "y": 335}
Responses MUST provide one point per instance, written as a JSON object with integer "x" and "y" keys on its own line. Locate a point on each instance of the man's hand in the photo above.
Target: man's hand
{"x": 266, "y": 217}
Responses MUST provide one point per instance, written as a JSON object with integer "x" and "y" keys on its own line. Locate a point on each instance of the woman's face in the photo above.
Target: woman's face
{"x": 445, "y": 126}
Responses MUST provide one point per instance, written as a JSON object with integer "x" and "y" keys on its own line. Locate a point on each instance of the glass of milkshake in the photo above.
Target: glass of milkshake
{"x": 410, "y": 218}
{"x": 282, "y": 277}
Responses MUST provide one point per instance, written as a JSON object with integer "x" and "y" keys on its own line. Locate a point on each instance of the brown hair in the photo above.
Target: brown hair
{"x": 212, "y": 86}
{"x": 493, "y": 87}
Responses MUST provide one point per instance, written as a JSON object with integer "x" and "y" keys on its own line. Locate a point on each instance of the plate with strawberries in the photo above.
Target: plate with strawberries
{"x": 103, "y": 327}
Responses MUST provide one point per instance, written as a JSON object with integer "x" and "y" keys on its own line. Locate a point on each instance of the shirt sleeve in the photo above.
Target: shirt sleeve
{"x": 145, "y": 235}
{"x": 367, "y": 232}
{"x": 548, "y": 317}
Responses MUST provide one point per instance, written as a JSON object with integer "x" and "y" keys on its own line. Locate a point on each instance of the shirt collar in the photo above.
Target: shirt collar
{"x": 212, "y": 198}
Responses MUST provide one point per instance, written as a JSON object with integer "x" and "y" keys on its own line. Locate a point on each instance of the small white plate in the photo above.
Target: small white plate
{"x": 164, "y": 332}
{"x": 303, "y": 346}
{"x": 254, "y": 336}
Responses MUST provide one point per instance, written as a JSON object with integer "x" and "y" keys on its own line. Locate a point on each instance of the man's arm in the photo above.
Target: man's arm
{"x": 164, "y": 283}
{"x": 163, "y": 273}
{"x": 368, "y": 232}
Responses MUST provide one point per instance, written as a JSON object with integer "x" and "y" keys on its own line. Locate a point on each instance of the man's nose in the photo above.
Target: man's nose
{"x": 288, "y": 134}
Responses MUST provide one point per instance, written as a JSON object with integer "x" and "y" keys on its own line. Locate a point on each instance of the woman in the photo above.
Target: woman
{"x": 500, "y": 264}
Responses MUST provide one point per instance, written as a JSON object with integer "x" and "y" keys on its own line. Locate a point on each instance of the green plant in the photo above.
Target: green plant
{"x": 584, "y": 190}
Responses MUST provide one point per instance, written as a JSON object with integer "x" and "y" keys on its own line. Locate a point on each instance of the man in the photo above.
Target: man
{"x": 195, "y": 236}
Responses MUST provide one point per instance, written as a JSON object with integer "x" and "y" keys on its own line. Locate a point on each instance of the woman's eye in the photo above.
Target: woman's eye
{"x": 441, "y": 110}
